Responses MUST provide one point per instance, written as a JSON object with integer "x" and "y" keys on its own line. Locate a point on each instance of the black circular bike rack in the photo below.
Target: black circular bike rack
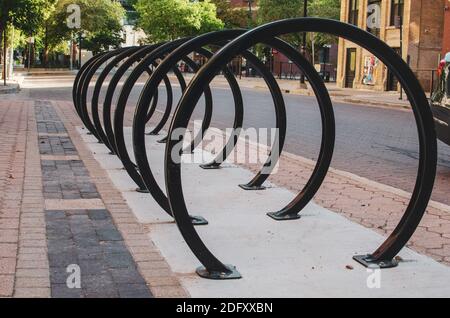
{"x": 160, "y": 59}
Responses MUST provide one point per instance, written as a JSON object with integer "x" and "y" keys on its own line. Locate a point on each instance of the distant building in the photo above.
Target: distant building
{"x": 422, "y": 25}
{"x": 131, "y": 35}
{"x": 446, "y": 38}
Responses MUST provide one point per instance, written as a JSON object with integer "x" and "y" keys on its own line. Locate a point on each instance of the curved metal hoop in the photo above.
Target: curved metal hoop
{"x": 324, "y": 103}
{"x": 383, "y": 256}
{"x": 83, "y": 88}
{"x": 79, "y": 78}
{"x": 119, "y": 113}
{"x": 96, "y": 94}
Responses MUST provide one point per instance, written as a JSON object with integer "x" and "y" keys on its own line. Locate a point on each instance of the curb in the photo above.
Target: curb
{"x": 10, "y": 89}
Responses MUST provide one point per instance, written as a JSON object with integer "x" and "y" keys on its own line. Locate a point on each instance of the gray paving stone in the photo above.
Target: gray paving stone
{"x": 99, "y": 215}
{"x": 87, "y": 238}
{"x": 120, "y": 260}
{"x": 134, "y": 291}
{"x": 62, "y": 291}
{"x": 114, "y": 247}
{"x": 126, "y": 276}
{"x": 109, "y": 234}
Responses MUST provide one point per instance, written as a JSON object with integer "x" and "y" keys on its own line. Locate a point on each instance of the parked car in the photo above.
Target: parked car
{"x": 440, "y": 101}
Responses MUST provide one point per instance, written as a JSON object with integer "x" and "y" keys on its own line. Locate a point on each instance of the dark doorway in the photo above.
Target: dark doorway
{"x": 392, "y": 81}
{"x": 350, "y": 68}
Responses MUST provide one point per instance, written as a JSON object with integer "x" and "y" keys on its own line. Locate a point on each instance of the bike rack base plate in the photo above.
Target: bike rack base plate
{"x": 367, "y": 261}
{"x": 199, "y": 220}
{"x": 162, "y": 141}
{"x": 152, "y": 134}
{"x": 283, "y": 217}
{"x": 210, "y": 167}
{"x": 252, "y": 188}
{"x": 232, "y": 274}
{"x": 142, "y": 190}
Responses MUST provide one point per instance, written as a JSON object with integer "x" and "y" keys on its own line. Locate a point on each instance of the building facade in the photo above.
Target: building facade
{"x": 446, "y": 38}
{"x": 413, "y": 28}
{"x": 131, "y": 35}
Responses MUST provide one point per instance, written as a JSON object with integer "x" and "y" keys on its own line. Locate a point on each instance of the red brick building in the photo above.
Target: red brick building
{"x": 446, "y": 39}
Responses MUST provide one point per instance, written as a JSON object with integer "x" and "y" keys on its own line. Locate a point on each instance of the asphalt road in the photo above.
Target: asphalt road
{"x": 376, "y": 143}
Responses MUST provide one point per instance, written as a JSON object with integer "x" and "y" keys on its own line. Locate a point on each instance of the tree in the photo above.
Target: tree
{"x": 164, "y": 20}
{"x": 21, "y": 14}
{"x": 232, "y": 17}
{"x": 101, "y": 24}
{"x": 51, "y": 33}
{"x": 271, "y": 10}
{"x": 330, "y": 9}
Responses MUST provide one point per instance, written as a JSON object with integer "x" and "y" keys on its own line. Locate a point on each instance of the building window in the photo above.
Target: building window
{"x": 374, "y": 17}
{"x": 396, "y": 10}
{"x": 353, "y": 12}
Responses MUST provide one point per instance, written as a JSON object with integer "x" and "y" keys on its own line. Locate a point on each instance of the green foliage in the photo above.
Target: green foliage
{"x": 271, "y": 10}
{"x": 22, "y": 14}
{"x": 164, "y": 20}
{"x": 100, "y": 23}
{"x": 330, "y": 9}
{"x": 231, "y": 17}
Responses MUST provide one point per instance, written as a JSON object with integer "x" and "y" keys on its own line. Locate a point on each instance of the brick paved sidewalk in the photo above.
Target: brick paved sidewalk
{"x": 58, "y": 207}
{"x": 60, "y": 215}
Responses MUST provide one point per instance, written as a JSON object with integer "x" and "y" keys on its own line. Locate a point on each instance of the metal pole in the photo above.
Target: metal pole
{"x": 5, "y": 43}
{"x": 305, "y": 14}
{"x": 29, "y": 54}
{"x": 401, "y": 50}
{"x": 11, "y": 57}
{"x": 71, "y": 52}
{"x": 250, "y": 13}
{"x": 79, "y": 49}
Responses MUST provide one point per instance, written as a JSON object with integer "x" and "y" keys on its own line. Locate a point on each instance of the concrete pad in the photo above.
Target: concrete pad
{"x": 109, "y": 161}
{"x": 86, "y": 137}
{"x": 309, "y": 257}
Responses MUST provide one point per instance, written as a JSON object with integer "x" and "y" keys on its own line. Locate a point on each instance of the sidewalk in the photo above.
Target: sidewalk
{"x": 60, "y": 206}
{"x": 60, "y": 214}
{"x": 12, "y": 87}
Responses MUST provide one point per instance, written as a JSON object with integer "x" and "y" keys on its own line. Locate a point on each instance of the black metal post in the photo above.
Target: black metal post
{"x": 80, "y": 37}
{"x": 303, "y": 51}
{"x": 400, "y": 18}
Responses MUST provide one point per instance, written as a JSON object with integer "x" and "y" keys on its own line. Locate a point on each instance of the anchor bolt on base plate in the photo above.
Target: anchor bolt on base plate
{"x": 283, "y": 217}
{"x": 368, "y": 261}
{"x": 232, "y": 274}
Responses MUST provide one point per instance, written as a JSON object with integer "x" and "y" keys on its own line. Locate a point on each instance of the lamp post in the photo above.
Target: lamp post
{"x": 303, "y": 50}
{"x": 80, "y": 38}
{"x": 30, "y": 43}
{"x": 250, "y": 12}
{"x": 399, "y": 25}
